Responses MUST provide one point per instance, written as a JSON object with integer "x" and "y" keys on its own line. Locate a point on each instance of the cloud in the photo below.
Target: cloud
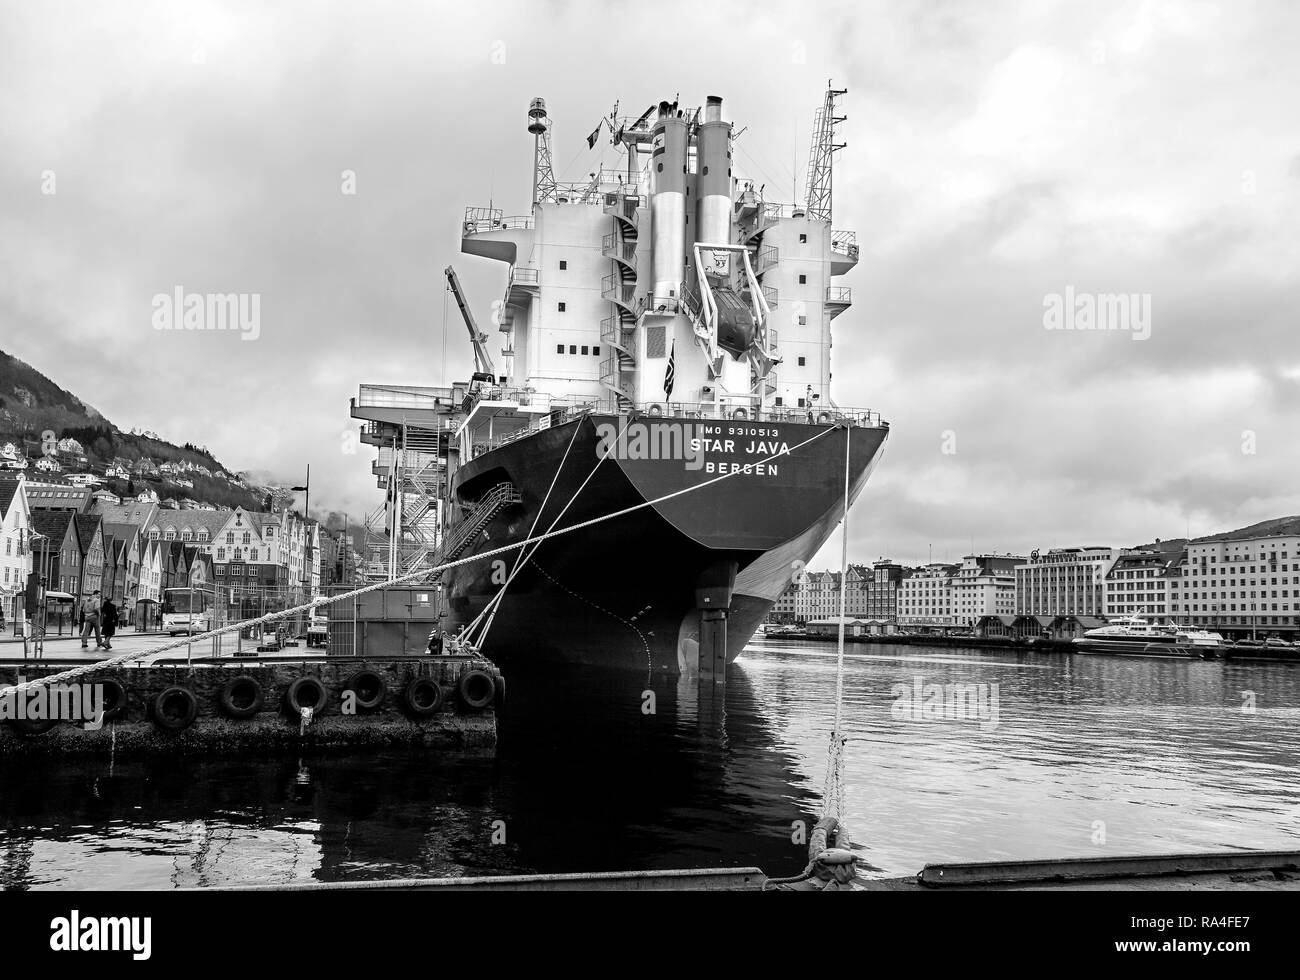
{"x": 995, "y": 155}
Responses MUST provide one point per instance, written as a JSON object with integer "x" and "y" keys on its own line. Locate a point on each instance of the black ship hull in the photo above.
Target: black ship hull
{"x": 622, "y": 593}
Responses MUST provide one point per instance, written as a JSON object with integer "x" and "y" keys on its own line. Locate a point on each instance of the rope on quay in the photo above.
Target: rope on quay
{"x": 421, "y": 572}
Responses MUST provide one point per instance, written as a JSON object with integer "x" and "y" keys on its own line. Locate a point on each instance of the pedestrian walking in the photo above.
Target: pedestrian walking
{"x": 108, "y": 614}
{"x": 90, "y": 620}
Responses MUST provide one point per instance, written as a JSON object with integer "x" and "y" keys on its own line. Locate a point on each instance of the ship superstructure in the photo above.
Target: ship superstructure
{"x": 662, "y": 325}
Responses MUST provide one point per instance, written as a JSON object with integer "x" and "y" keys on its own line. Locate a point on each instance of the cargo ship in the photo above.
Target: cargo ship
{"x": 664, "y": 381}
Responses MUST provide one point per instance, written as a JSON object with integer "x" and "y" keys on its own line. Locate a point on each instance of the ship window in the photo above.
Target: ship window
{"x": 563, "y": 265}
{"x": 659, "y": 168}
{"x": 656, "y": 342}
{"x": 561, "y": 307}
{"x": 802, "y": 279}
{"x": 778, "y": 401}
{"x": 584, "y": 348}
{"x": 803, "y": 239}
{"x": 559, "y": 348}
{"x": 573, "y": 348}
{"x": 801, "y": 404}
{"x": 802, "y": 361}
{"x": 803, "y": 321}
{"x": 706, "y": 171}
{"x": 596, "y": 351}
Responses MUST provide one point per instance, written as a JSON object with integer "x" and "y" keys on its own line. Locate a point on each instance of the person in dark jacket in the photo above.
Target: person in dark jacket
{"x": 108, "y": 622}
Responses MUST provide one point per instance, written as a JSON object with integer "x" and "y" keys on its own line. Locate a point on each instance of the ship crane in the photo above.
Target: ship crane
{"x": 482, "y": 360}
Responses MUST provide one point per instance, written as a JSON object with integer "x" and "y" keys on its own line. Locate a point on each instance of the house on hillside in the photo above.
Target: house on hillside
{"x": 8, "y": 451}
{"x": 108, "y": 496}
{"x": 118, "y": 471}
{"x": 13, "y": 464}
{"x": 147, "y": 496}
{"x": 145, "y": 466}
{"x": 71, "y": 446}
{"x": 48, "y": 464}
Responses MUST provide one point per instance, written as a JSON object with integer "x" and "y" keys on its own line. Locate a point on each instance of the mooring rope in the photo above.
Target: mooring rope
{"x": 833, "y": 795}
{"x": 125, "y": 658}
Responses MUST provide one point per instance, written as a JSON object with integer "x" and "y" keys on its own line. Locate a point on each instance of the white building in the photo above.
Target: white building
{"x": 1064, "y": 582}
{"x": 1139, "y": 583}
{"x": 15, "y": 550}
{"x": 84, "y": 479}
{"x": 925, "y": 596}
{"x": 48, "y": 464}
{"x": 1242, "y": 583}
{"x": 985, "y": 585}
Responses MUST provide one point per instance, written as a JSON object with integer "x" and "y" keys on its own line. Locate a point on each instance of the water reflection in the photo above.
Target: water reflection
{"x": 1089, "y": 756}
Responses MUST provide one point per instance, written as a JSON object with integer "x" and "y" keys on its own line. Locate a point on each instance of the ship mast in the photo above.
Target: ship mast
{"x": 539, "y": 125}
{"x": 821, "y": 156}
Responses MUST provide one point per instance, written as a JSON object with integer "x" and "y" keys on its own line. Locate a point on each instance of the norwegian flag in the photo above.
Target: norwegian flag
{"x": 671, "y": 374}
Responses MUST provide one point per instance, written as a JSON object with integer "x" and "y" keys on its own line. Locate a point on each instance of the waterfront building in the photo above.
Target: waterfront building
{"x": 1242, "y": 583}
{"x": 1064, "y": 582}
{"x": 55, "y": 552}
{"x": 90, "y": 554}
{"x": 1139, "y": 583}
{"x": 15, "y": 550}
{"x": 882, "y": 591}
{"x": 985, "y": 585}
{"x": 925, "y": 596}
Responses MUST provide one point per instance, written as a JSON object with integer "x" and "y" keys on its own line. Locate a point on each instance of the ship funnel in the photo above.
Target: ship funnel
{"x": 713, "y": 163}
{"x": 668, "y": 206}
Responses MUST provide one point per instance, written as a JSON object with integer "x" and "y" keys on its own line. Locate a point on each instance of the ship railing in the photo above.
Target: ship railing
{"x": 839, "y": 294}
{"x": 768, "y": 256}
{"x": 772, "y": 295}
{"x": 395, "y": 396}
{"x": 479, "y": 220}
{"x": 523, "y": 276}
{"x": 742, "y": 409}
{"x": 845, "y": 241}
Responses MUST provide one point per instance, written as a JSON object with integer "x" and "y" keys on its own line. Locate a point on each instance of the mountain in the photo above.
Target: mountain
{"x": 32, "y": 406}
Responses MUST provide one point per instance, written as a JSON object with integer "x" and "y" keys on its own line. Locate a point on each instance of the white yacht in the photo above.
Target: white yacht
{"x": 1133, "y": 634}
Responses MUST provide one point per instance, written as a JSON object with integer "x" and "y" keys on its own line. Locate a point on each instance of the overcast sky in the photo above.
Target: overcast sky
{"x": 997, "y": 153}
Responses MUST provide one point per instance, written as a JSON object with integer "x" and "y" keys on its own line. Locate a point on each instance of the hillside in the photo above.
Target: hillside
{"x": 31, "y": 405}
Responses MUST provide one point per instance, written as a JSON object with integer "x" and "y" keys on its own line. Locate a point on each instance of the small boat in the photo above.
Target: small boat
{"x": 1134, "y": 635}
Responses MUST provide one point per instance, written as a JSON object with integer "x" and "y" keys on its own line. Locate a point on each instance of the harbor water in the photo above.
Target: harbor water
{"x": 1032, "y": 756}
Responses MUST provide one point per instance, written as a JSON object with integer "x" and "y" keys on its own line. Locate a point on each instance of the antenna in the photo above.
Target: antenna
{"x": 822, "y": 154}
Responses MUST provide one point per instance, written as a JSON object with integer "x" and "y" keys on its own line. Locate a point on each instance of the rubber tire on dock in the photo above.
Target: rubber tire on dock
{"x": 237, "y": 701}
{"x": 293, "y": 698}
{"x": 364, "y": 681}
{"x": 114, "y": 700}
{"x": 477, "y": 689}
{"x": 423, "y": 696}
{"x": 168, "y": 721}
{"x": 31, "y": 726}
